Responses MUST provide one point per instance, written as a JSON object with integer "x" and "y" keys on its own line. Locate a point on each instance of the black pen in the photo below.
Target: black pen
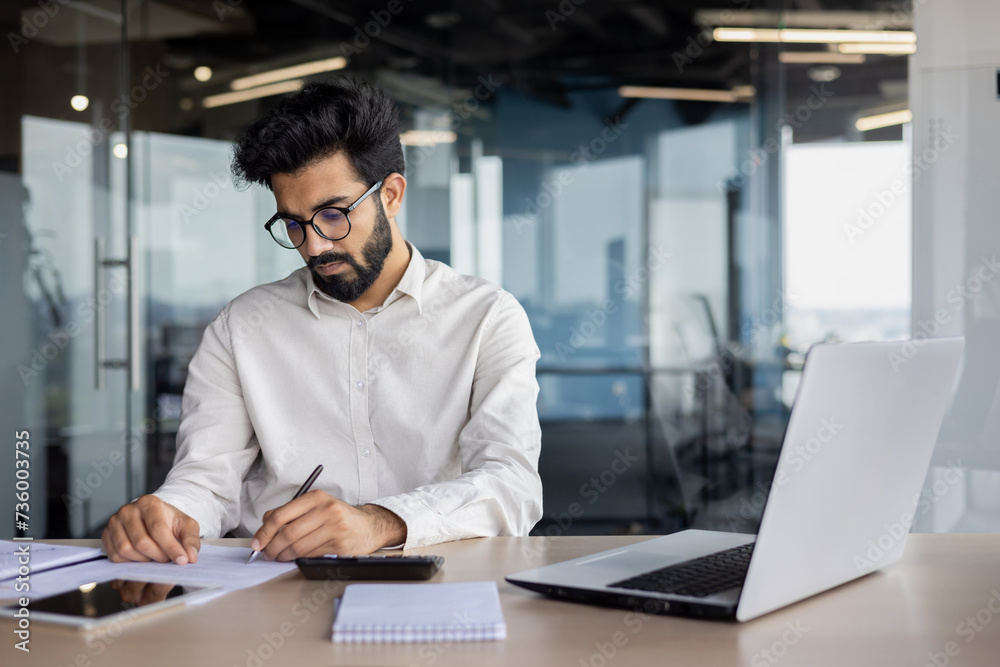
{"x": 302, "y": 489}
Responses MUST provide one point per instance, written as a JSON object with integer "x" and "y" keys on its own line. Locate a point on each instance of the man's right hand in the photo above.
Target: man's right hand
{"x": 150, "y": 529}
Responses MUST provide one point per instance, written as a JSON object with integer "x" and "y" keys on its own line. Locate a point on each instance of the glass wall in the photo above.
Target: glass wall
{"x": 676, "y": 258}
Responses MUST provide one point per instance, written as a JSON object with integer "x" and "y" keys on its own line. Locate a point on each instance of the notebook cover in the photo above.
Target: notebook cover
{"x": 380, "y": 613}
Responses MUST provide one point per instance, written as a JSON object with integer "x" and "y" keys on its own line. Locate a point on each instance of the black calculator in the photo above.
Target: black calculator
{"x": 378, "y": 566}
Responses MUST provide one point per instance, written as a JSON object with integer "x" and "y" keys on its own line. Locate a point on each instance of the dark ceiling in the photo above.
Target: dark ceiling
{"x": 546, "y": 49}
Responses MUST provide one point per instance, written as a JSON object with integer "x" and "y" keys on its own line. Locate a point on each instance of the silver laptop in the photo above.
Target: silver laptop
{"x": 854, "y": 458}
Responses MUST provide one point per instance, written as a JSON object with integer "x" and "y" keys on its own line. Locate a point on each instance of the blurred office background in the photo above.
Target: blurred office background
{"x": 683, "y": 198}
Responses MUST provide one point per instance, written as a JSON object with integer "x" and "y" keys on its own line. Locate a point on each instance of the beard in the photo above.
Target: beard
{"x": 375, "y": 250}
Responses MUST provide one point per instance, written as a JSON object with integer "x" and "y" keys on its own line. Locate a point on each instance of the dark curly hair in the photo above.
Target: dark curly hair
{"x": 322, "y": 119}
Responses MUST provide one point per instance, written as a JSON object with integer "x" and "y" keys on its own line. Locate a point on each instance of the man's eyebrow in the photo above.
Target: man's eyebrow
{"x": 332, "y": 201}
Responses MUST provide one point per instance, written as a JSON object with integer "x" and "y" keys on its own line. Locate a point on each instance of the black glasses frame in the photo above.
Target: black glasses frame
{"x": 346, "y": 211}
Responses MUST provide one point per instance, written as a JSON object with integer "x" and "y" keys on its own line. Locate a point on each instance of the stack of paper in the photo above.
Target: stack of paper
{"x": 377, "y": 613}
{"x": 223, "y": 566}
{"x": 38, "y": 557}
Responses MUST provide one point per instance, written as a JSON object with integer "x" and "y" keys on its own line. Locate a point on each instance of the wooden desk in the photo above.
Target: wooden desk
{"x": 896, "y": 617}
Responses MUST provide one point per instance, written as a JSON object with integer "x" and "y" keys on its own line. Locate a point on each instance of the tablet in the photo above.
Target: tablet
{"x": 105, "y": 602}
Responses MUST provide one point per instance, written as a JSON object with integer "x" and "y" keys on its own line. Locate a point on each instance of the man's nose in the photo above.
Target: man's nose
{"x": 315, "y": 244}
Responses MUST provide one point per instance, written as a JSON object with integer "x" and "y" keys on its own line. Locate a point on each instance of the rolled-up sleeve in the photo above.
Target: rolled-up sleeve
{"x": 215, "y": 442}
{"x": 499, "y": 491}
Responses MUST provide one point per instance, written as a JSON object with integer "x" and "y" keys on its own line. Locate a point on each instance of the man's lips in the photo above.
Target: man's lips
{"x": 330, "y": 269}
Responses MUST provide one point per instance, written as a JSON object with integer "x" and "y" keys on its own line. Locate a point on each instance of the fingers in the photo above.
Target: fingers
{"x": 116, "y": 541}
{"x": 302, "y": 536}
{"x": 190, "y": 539}
{"x": 160, "y": 528}
{"x": 155, "y": 593}
{"x": 150, "y": 529}
{"x": 138, "y": 534}
{"x": 287, "y": 513}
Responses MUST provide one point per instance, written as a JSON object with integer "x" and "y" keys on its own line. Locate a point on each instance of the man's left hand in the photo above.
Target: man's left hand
{"x": 316, "y": 523}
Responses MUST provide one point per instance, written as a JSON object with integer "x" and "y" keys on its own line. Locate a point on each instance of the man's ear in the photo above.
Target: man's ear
{"x": 393, "y": 188}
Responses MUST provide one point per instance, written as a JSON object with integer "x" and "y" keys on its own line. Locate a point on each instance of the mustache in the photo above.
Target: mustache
{"x": 328, "y": 258}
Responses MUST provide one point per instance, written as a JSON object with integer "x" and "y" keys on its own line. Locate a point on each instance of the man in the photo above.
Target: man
{"x": 413, "y": 385}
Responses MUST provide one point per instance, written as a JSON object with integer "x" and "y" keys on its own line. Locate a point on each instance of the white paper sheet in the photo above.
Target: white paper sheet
{"x": 216, "y": 566}
{"x": 40, "y": 556}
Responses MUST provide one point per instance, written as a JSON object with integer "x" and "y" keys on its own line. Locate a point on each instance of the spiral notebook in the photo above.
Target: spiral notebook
{"x": 381, "y": 613}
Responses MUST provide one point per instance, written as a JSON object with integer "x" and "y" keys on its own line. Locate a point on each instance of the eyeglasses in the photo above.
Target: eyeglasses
{"x": 330, "y": 222}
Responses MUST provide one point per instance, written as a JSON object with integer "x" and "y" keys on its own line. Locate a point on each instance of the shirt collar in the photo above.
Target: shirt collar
{"x": 411, "y": 283}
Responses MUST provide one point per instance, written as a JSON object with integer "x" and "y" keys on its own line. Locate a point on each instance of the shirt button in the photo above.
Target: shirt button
{"x": 366, "y": 453}
{"x": 360, "y": 385}
{"x": 359, "y": 323}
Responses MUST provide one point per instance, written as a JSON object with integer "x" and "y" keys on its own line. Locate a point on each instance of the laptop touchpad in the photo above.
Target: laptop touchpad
{"x": 634, "y": 561}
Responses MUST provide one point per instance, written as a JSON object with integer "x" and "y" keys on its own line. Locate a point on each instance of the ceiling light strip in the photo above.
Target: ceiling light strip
{"x": 223, "y": 99}
{"x": 813, "y": 36}
{"x": 883, "y": 120}
{"x": 293, "y": 72}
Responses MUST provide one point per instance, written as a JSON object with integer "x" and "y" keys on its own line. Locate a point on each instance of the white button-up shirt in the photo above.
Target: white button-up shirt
{"x": 424, "y": 405}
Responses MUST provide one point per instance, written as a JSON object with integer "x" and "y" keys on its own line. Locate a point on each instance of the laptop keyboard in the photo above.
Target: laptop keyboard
{"x": 697, "y": 578}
